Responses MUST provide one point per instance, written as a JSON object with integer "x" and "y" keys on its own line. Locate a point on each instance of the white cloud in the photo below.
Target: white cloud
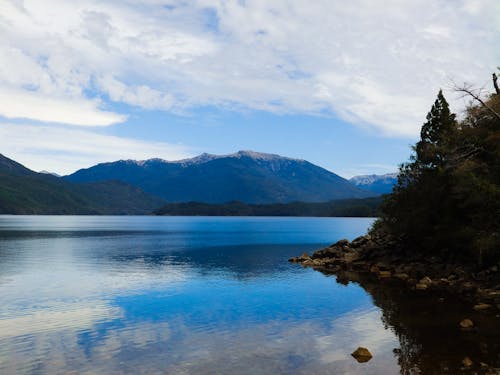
{"x": 142, "y": 96}
{"x": 30, "y": 105}
{"x": 64, "y": 150}
{"x": 375, "y": 65}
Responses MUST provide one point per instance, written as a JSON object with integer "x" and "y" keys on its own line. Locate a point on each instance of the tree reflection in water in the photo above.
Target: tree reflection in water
{"x": 427, "y": 326}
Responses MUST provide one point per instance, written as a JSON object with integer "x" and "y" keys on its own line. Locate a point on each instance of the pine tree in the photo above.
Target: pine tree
{"x": 436, "y": 135}
{"x": 447, "y": 199}
{"x": 418, "y": 206}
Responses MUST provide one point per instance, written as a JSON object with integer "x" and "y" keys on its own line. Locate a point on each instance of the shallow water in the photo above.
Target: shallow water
{"x": 185, "y": 295}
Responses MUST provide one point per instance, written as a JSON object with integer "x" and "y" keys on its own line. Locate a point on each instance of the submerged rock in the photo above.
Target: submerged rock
{"x": 362, "y": 355}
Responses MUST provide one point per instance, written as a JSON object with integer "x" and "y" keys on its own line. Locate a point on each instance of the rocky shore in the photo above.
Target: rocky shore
{"x": 378, "y": 254}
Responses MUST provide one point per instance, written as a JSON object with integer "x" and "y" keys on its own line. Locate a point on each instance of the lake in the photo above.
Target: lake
{"x": 188, "y": 295}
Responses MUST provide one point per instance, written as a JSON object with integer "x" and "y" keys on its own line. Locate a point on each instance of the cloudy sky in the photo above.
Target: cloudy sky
{"x": 343, "y": 84}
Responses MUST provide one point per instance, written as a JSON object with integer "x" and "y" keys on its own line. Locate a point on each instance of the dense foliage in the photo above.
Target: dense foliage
{"x": 368, "y": 207}
{"x": 447, "y": 199}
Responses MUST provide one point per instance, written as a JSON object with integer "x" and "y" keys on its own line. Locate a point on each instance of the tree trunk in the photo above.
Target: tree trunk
{"x": 495, "y": 84}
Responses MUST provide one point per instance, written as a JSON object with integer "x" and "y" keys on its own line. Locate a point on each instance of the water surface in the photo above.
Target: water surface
{"x": 182, "y": 295}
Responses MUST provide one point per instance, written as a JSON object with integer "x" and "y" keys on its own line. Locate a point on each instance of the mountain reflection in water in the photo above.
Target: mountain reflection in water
{"x": 167, "y": 295}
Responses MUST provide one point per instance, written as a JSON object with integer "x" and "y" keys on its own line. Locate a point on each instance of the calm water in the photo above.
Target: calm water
{"x": 181, "y": 295}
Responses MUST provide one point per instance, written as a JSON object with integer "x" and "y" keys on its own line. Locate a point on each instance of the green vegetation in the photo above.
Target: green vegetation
{"x": 447, "y": 199}
{"x": 23, "y": 191}
{"x": 367, "y": 207}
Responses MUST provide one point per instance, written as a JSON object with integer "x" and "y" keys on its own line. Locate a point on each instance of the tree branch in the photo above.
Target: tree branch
{"x": 469, "y": 91}
{"x": 495, "y": 84}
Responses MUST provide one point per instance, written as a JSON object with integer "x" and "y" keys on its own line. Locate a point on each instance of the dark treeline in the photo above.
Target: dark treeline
{"x": 447, "y": 199}
{"x": 368, "y": 207}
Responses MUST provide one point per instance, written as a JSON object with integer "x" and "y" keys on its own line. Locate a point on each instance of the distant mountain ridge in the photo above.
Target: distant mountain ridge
{"x": 23, "y": 191}
{"x": 245, "y": 176}
{"x": 381, "y": 184}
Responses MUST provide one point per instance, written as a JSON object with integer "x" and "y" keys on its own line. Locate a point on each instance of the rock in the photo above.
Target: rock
{"x": 466, "y": 323}
{"x": 301, "y": 258}
{"x": 307, "y": 262}
{"x": 444, "y": 281}
{"x": 482, "y": 307}
{"x": 360, "y": 241}
{"x": 350, "y": 257}
{"x": 467, "y": 362}
{"x": 401, "y": 276}
{"x": 362, "y": 355}
{"x": 493, "y": 294}
{"x": 420, "y": 286}
{"x": 469, "y": 287}
{"x": 342, "y": 242}
{"x": 425, "y": 281}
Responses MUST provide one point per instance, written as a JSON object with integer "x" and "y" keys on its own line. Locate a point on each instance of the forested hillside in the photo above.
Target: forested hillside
{"x": 23, "y": 191}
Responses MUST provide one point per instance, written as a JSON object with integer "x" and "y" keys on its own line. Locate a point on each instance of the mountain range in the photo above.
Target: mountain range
{"x": 245, "y": 176}
{"x": 140, "y": 187}
{"x": 379, "y": 184}
{"x": 23, "y": 191}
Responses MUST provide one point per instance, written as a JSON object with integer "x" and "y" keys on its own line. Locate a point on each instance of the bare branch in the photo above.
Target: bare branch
{"x": 495, "y": 84}
{"x": 468, "y": 90}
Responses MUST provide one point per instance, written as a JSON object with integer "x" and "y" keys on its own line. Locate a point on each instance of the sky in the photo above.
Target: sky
{"x": 343, "y": 84}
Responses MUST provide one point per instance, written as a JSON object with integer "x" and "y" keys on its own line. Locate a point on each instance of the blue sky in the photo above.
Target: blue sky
{"x": 343, "y": 85}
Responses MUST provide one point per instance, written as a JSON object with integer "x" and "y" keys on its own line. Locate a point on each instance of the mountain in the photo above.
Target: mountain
{"x": 52, "y": 173}
{"x": 381, "y": 184}
{"x": 23, "y": 191}
{"x": 245, "y": 176}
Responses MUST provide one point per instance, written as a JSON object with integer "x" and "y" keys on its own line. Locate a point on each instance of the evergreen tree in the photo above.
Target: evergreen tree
{"x": 418, "y": 207}
{"x": 436, "y": 134}
{"x": 447, "y": 199}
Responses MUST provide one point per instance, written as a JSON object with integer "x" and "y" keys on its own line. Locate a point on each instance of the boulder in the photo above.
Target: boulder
{"x": 425, "y": 281}
{"x": 482, "y": 307}
{"x": 384, "y": 274}
{"x": 362, "y": 355}
{"x": 467, "y": 362}
{"x": 466, "y": 324}
{"x": 301, "y": 258}
{"x": 420, "y": 286}
{"x": 360, "y": 241}
{"x": 401, "y": 276}
{"x": 342, "y": 242}
{"x": 350, "y": 256}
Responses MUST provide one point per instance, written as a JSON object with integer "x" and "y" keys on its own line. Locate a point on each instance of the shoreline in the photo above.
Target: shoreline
{"x": 378, "y": 255}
